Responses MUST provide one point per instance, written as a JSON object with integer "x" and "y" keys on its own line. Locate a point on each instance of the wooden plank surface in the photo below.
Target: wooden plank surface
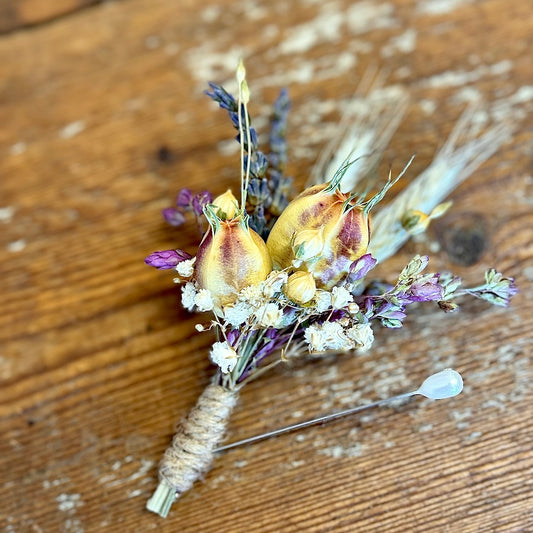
{"x": 103, "y": 120}
{"x": 17, "y": 14}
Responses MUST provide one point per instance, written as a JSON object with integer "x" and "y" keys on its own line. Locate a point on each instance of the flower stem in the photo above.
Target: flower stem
{"x": 162, "y": 499}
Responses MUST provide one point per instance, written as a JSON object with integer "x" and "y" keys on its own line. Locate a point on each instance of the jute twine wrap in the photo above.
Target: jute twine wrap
{"x": 191, "y": 453}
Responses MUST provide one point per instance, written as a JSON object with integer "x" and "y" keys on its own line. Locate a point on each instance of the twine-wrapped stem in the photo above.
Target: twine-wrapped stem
{"x": 191, "y": 453}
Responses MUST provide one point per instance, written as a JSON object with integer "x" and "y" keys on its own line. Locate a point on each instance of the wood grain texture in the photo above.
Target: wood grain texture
{"x": 103, "y": 120}
{"x": 17, "y": 14}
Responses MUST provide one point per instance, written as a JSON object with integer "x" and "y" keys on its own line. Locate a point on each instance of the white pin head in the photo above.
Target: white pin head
{"x": 444, "y": 384}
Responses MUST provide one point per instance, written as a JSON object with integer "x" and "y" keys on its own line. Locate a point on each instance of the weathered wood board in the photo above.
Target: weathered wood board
{"x": 103, "y": 120}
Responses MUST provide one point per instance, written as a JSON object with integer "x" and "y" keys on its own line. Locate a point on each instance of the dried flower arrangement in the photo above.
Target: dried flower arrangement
{"x": 283, "y": 277}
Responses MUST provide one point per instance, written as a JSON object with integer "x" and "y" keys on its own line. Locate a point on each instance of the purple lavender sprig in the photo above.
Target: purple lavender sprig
{"x": 267, "y": 193}
{"x": 280, "y": 185}
{"x": 258, "y": 192}
{"x": 259, "y": 162}
{"x": 277, "y": 157}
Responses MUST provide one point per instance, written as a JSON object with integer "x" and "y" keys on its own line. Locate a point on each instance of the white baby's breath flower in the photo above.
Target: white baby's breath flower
{"x": 340, "y": 297}
{"x": 203, "y": 300}
{"x": 322, "y": 301}
{"x": 334, "y": 336}
{"x": 274, "y": 283}
{"x": 327, "y": 336}
{"x": 223, "y": 355}
{"x": 315, "y": 339}
{"x": 186, "y": 268}
{"x": 362, "y": 335}
{"x": 188, "y": 294}
{"x": 269, "y": 315}
{"x": 237, "y": 313}
{"x": 251, "y": 294}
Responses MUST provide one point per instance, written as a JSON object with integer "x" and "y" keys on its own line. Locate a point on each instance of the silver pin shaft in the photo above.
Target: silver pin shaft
{"x": 312, "y": 422}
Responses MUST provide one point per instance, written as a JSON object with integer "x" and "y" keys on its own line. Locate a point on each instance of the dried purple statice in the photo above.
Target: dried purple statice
{"x": 166, "y": 259}
{"x": 173, "y": 216}
{"x": 186, "y": 201}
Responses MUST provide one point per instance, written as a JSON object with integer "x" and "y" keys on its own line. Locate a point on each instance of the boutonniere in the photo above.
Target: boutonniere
{"x": 286, "y": 276}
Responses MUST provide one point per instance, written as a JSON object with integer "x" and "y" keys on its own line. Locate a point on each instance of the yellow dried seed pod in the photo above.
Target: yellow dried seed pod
{"x": 344, "y": 227}
{"x": 231, "y": 256}
{"x": 300, "y": 287}
{"x": 308, "y": 243}
{"x": 226, "y": 205}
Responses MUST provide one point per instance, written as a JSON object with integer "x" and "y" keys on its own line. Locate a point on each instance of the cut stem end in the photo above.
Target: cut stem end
{"x": 162, "y": 499}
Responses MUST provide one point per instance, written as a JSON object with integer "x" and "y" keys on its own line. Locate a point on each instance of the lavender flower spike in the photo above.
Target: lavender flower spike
{"x": 166, "y": 259}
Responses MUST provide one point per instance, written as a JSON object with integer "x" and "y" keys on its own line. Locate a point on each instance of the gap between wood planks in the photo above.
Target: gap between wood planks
{"x": 16, "y": 15}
